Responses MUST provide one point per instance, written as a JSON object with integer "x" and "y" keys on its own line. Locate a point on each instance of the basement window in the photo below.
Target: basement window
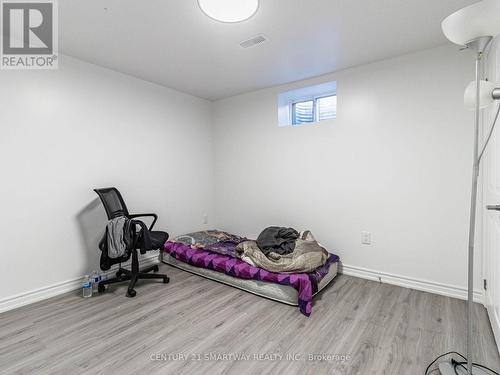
{"x": 308, "y": 105}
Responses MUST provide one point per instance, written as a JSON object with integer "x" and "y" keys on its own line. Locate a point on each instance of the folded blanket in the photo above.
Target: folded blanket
{"x": 214, "y": 240}
{"x": 307, "y": 256}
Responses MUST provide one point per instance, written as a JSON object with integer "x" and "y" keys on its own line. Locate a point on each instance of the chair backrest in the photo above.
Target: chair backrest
{"x": 113, "y": 202}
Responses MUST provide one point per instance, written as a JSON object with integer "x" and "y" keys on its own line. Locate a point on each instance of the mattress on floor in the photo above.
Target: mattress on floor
{"x": 281, "y": 293}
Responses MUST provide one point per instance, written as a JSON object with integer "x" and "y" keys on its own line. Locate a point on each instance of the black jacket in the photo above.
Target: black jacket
{"x": 278, "y": 240}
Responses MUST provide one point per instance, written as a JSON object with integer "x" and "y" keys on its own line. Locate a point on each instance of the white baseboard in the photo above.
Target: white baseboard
{"x": 36, "y": 295}
{"x": 412, "y": 283}
{"x": 33, "y": 296}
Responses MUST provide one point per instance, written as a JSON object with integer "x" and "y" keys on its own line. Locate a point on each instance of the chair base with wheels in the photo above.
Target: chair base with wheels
{"x": 134, "y": 274}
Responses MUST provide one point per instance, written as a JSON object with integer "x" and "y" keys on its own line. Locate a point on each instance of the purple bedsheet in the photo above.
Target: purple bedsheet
{"x": 305, "y": 283}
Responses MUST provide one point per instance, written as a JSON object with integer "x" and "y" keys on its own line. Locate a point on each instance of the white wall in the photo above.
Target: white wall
{"x": 396, "y": 162}
{"x": 68, "y": 131}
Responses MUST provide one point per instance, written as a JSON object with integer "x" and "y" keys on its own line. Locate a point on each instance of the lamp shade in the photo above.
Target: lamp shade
{"x": 469, "y": 23}
{"x": 229, "y": 10}
{"x": 485, "y": 95}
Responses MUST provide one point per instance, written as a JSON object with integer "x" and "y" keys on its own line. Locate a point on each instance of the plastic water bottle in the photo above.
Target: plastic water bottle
{"x": 95, "y": 278}
{"x": 87, "y": 287}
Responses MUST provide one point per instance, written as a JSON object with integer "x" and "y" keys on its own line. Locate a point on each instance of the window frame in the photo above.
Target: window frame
{"x": 308, "y": 98}
{"x": 286, "y": 100}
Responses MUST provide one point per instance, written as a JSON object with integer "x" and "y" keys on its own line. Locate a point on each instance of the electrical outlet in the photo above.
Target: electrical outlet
{"x": 366, "y": 238}
{"x": 205, "y": 219}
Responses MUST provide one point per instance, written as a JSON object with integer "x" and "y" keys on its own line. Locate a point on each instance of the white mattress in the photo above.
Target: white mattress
{"x": 281, "y": 293}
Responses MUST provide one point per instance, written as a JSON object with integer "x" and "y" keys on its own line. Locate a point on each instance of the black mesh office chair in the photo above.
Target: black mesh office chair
{"x": 115, "y": 207}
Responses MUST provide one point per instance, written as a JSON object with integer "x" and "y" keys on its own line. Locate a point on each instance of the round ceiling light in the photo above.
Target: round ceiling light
{"x": 229, "y": 10}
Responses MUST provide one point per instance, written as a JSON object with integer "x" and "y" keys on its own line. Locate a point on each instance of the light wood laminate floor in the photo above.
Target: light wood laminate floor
{"x": 383, "y": 329}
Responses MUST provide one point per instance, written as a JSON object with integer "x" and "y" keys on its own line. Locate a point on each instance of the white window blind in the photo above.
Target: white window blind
{"x": 326, "y": 108}
{"x": 303, "y": 112}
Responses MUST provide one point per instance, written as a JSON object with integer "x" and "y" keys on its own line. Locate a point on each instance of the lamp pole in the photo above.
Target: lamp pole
{"x": 472, "y": 224}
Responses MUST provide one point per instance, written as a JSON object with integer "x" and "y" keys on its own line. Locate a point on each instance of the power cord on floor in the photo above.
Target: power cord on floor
{"x": 441, "y": 356}
{"x": 461, "y": 364}
{"x": 456, "y": 363}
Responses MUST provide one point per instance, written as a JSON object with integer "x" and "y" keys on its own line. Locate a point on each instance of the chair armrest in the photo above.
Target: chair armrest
{"x": 154, "y": 216}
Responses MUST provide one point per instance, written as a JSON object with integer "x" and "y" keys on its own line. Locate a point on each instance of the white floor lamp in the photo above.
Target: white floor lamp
{"x": 474, "y": 27}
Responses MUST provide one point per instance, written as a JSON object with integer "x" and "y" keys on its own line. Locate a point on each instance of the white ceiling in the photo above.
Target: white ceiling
{"x": 171, "y": 42}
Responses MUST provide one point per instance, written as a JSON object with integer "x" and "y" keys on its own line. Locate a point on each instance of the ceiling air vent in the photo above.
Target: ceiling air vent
{"x": 254, "y": 41}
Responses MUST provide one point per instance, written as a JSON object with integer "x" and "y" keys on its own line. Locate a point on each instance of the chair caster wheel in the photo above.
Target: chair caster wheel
{"x": 101, "y": 288}
{"x": 131, "y": 293}
{"x": 156, "y": 269}
{"x": 166, "y": 280}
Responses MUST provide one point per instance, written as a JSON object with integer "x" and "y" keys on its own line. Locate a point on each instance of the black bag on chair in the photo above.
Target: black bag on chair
{"x": 131, "y": 237}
